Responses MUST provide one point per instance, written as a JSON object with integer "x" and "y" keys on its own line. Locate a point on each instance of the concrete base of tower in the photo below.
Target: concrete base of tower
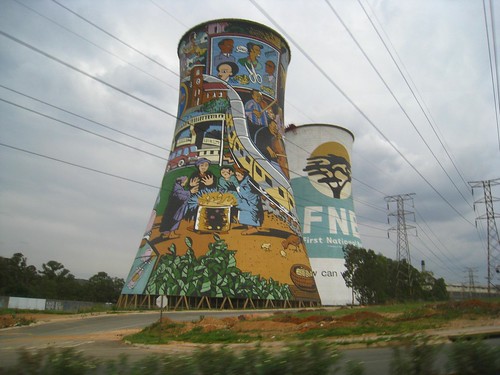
{"x": 127, "y": 301}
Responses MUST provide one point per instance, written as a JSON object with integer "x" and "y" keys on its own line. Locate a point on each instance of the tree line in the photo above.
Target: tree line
{"x": 376, "y": 279}
{"x": 54, "y": 281}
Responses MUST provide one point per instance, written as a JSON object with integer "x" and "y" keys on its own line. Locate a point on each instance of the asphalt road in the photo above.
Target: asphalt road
{"x": 91, "y": 334}
{"x": 95, "y": 336}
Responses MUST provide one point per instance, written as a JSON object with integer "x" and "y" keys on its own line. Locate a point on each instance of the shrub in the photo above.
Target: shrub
{"x": 415, "y": 357}
{"x": 474, "y": 357}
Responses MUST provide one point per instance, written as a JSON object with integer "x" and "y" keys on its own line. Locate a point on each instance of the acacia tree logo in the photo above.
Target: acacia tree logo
{"x": 331, "y": 170}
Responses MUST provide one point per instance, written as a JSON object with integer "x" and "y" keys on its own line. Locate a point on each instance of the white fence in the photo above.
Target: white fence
{"x": 23, "y": 303}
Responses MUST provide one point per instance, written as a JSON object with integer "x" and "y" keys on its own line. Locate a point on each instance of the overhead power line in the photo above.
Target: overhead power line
{"x": 360, "y": 111}
{"x": 78, "y": 165}
{"x": 33, "y": 48}
{"x": 84, "y": 118}
{"x": 94, "y": 44}
{"x": 493, "y": 63}
{"x": 395, "y": 98}
{"x": 116, "y": 38}
{"x": 80, "y": 128}
{"x": 170, "y": 14}
{"x": 428, "y": 227}
{"x": 421, "y": 106}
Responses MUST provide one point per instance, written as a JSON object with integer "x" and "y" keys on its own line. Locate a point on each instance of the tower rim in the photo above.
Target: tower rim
{"x": 241, "y": 20}
{"x": 295, "y": 127}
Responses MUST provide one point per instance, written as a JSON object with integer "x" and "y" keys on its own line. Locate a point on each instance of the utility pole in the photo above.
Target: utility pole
{"x": 472, "y": 284}
{"x": 493, "y": 239}
{"x": 403, "y": 274}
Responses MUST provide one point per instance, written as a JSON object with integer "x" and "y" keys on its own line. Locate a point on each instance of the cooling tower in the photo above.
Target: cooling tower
{"x": 320, "y": 157}
{"x": 224, "y": 230}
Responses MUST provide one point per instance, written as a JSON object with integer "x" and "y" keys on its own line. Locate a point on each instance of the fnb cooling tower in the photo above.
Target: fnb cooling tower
{"x": 224, "y": 230}
{"x": 320, "y": 156}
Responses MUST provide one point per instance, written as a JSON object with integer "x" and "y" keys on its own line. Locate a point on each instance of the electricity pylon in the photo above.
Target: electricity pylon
{"x": 472, "y": 283}
{"x": 493, "y": 239}
{"x": 403, "y": 274}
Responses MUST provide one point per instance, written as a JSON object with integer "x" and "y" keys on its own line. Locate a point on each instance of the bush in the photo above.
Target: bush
{"x": 311, "y": 358}
{"x": 416, "y": 357}
{"x": 474, "y": 357}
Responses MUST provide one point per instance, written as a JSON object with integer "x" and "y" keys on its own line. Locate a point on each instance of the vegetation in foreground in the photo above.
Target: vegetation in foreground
{"x": 373, "y": 322}
{"x": 313, "y": 358}
{"x": 416, "y": 357}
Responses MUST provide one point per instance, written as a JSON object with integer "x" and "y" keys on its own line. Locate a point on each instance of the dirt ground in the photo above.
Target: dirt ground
{"x": 272, "y": 331}
{"x": 279, "y": 327}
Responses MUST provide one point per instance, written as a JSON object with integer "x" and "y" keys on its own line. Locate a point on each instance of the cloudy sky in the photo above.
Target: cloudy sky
{"x": 88, "y": 89}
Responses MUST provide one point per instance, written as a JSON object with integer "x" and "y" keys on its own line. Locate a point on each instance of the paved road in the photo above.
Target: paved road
{"x": 100, "y": 336}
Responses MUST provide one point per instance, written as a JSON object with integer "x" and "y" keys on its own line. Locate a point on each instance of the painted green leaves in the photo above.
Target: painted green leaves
{"x": 214, "y": 274}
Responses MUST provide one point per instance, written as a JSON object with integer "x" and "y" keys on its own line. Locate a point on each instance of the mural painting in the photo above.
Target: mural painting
{"x": 225, "y": 221}
{"x": 320, "y": 154}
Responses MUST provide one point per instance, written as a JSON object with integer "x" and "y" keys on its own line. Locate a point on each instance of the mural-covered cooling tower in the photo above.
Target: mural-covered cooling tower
{"x": 320, "y": 156}
{"x": 224, "y": 230}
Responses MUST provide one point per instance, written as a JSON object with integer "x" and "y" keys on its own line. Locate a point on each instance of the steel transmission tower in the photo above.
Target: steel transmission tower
{"x": 472, "y": 283}
{"x": 403, "y": 258}
{"x": 493, "y": 239}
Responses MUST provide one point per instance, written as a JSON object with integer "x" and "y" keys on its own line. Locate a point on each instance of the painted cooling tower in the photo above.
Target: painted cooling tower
{"x": 320, "y": 156}
{"x": 224, "y": 230}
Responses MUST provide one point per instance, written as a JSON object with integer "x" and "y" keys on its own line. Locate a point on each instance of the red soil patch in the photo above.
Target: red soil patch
{"x": 360, "y": 316}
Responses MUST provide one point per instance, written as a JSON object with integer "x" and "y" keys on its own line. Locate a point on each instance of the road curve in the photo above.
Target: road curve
{"x": 101, "y": 336}
{"x": 95, "y": 335}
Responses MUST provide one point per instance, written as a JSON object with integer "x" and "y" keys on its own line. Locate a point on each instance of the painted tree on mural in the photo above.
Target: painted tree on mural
{"x": 335, "y": 169}
{"x": 214, "y": 274}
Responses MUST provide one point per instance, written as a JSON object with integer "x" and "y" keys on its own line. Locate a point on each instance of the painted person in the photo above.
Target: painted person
{"x": 250, "y": 208}
{"x": 228, "y": 184}
{"x": 226, "y": 47}
{"x": 176, "y": 208}
{"x": 276, "y": 114}
{"x": 191, "y": 49}
{"x": 227, "y": 180}
{"x": 204, "y": 181}
{"x": 254, "y": 109}
{"x": 226, "y": 71}
{"x": 269, "y": 79}
{"x": 252, "y": 60}
{"x": 276, "y": 149}
{"x": 202, "y": 177}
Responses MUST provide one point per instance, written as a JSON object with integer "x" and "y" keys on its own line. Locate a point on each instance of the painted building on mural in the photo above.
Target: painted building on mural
{"x": 225, "y": 225}
{"x": 320, "y": 156}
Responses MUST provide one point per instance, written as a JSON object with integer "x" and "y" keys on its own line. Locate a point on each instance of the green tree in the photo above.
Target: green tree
{"x": 57, "y": 282}
{"x": 54, "y": 281}
{"x": 439, "y": 292}
{"x": 17, "y": 278}
{"x": 409, "y": 281}
{"x": 103, "y": 288}
{"x": 376, "y": 279}
{"x": 367, "y": 274}
{"x": 53, "y": 270}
